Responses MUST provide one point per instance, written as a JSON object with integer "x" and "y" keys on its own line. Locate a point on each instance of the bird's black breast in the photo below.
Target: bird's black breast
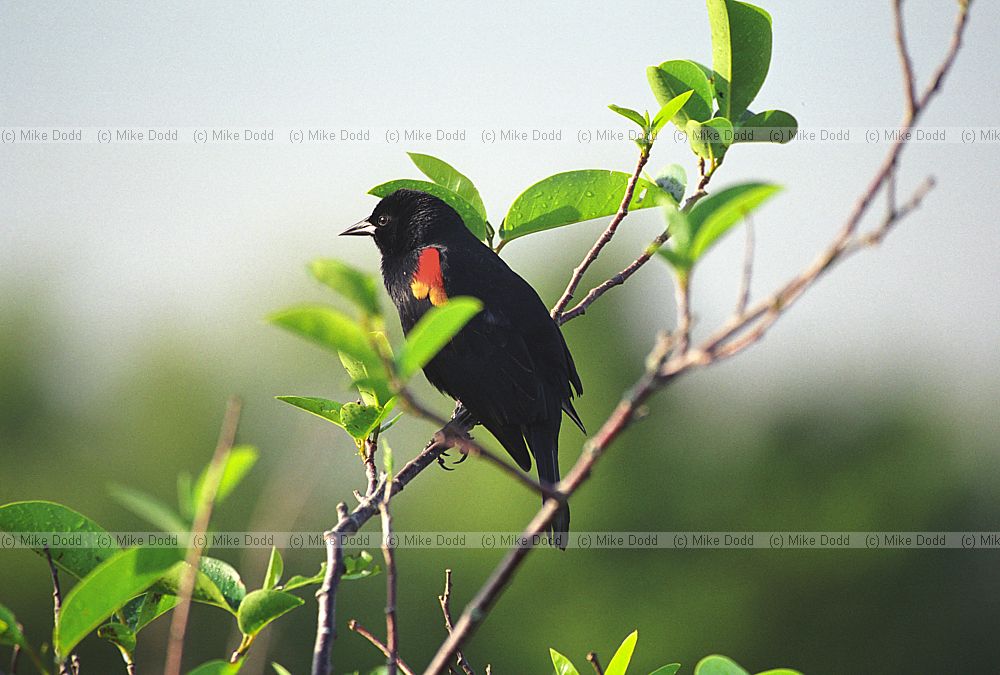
{"x": 397, "y": 274}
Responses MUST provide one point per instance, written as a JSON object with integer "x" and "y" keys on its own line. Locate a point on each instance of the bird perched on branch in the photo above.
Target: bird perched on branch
{"x": 509, "y": 366}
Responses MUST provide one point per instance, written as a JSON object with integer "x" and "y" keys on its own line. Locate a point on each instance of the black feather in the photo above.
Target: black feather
{"x": 510, "y": 365}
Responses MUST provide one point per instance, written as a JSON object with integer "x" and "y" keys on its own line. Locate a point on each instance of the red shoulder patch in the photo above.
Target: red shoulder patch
{"x": 427, "y": 281}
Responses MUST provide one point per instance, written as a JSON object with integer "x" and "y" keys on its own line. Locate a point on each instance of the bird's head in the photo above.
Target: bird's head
{"x": 407, "y": 220}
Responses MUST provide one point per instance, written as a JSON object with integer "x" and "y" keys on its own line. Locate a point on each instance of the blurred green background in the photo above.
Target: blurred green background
{"x": 854, "y": 454}
{"x": 134, "y": 281}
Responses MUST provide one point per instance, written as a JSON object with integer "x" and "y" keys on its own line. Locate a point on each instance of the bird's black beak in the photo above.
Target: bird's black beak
{"x": 362, "y": 229}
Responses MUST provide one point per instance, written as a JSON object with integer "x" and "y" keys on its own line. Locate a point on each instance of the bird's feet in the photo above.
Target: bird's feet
{"x": 462, "y": 418}
{"x": 460, "y": 423}
{"x": 441, "y": 458}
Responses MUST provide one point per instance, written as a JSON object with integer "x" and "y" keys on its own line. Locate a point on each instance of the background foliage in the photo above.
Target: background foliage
{"x": 860, "y": 457}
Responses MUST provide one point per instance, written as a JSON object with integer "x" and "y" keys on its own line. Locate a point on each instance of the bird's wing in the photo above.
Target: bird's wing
{"x": 490, "y": 368}
{"x": 510, "y": 363}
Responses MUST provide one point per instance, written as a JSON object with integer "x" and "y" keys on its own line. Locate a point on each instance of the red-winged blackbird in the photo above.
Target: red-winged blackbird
{"x": 509, "y": 366}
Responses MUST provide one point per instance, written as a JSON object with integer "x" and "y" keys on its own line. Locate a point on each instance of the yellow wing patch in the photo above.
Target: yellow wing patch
{"x": 427, "y": 281}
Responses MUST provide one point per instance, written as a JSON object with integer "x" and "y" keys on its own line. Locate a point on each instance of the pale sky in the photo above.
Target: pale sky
{"x": 200, "y": 238}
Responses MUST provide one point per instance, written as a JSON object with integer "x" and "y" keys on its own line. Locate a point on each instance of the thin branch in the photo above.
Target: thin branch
{"x": 937, "y": 77}
{"x": 603, "y": 240}
{"x": 891, "y": 208}
{"x": 33, "y": 656}
{"x": 326, "y": 596}
{"x": 445, "y": 600}
{"x": 747, "y": 328}
{"x": 356, "y": 627}
{"x": 348, "y": 523}
{"x": 743, "y": 299}
{"x": 592, "y": 658}
{"x": 597, "y": 291}
{"x": 63, "y": 661}
{"x": 617, "y": 280}
{"x": 203, "y": 514}
{"x": 682, "y": 294}
{"x": 371, "y": 471}
{"x": 894, "y": 217}
{"x": 391, "y": 627}
{"x": 705, "y": 177}
{"x": 904, "y": 57}
{"x": 478, "y": 608}
{"x": 662, "y": 368}
{"x": 14, "y": 657}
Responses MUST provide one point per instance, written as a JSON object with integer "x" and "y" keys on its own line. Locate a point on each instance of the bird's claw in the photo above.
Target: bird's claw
{"x": 444, "y": 465}
{"x": 441, "y": 462}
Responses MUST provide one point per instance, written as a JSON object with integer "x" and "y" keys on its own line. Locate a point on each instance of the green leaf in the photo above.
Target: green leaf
{"x": 10, "y": 634}
{"x": 387, "y": 461}
{"x": 677, "y": 259}
{"x": 355, "y": 567}
{"x": 384, "y": 412}
{"x": 573, "y": 197}
{"x": 710, "y": 139}
{"x": 358, "y": 420}
{"x": 669, "y": 669}
{"x": 780, "y": 671}
{"x": 562, "y": 664}
{"x": 280, "y": 669}
{"x": 333, "y": 330}
{"x": 148, "y": 507}
{"x": 141, "y": 611}
{"x": 353, "y": 284}
{"x": 275, "y": 568}
{"x": 217, "y": 667}
{"x": 433, "y": 331}
{"x": 109, "y": 586}
{"x": 226, "y": 579}
{"x": 770, "y": 126}
{"x": 241, "y": 459}
{"x": 388, "y": 425}
{"x": 120, "y": 635}
{"x": 670, "y": 109}
{"x": 672, "y": 179}
{"x": 623, "y": 656}
{"x": 741, "y": 53}
{"x": 217, "y": 583}
{"x": 360, "y": 566}
{"x": 718, "y": 665}
{"x": 321, "y": 407}
{"x": 473, "y": 220}
{"x": 714, "y": 215}
{"x": 40, "y": 516}
{"x": 628, "y": 113}
{"x": 370, "y": 379}
{"x": 671, "y": 78}
{"x": 263, "y": 606}
{"x": 449, "y": 177}
{"x": 681, "y": 232}
{"x": 298, "y": 581}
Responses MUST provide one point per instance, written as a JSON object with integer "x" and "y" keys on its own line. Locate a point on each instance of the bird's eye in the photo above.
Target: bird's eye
{"x": 383, "y": 220}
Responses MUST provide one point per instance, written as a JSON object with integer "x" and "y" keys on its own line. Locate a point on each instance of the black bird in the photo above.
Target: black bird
{"x": 509, "y": 366}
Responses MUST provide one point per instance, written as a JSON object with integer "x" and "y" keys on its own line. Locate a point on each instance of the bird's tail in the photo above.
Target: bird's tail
{"x": 543, "y": 440}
